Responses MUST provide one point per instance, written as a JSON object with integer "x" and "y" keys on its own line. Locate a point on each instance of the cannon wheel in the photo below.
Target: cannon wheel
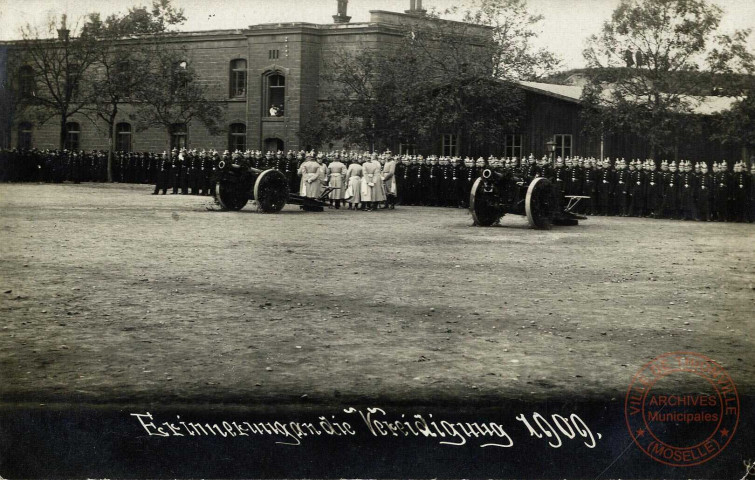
{"x": 271, "y": 191}
{"x": 540, "y": 204}
{"x": 230, "y": 196}
{"x": 483, "y": 213}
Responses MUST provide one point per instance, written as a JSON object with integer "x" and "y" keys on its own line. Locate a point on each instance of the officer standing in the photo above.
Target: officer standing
{"x": 389, "y": 180}
{"x": 336, "y": 175}
{"x": 687, "y": 191}
{"x": 621, "y": 190}
{"x": 163, "y": 175}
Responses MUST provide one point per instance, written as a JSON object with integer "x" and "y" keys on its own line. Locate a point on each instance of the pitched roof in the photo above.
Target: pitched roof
{"x": 707, "y": 105}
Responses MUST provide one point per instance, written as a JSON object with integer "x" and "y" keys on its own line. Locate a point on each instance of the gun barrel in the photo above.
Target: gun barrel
{"x": 222, "y": 165}
{"x": 487, "y": 173}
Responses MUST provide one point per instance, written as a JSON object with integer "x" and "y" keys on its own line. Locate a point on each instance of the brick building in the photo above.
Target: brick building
{"x": 269, "y": 76}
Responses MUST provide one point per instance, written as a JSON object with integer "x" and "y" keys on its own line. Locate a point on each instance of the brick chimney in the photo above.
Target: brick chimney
{"x": 341, "y": 17}
{"x": 63, "y": 31}
{"x": 415, "y": 8}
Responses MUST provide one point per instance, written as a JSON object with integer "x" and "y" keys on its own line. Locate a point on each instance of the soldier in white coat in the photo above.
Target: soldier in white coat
{"x": 336, "y": 177}
{"x": 353, "y": 193}
{"x": 309, "y": 171}
{"x": 373, "y": 191}
{"x": 389, "y": 180}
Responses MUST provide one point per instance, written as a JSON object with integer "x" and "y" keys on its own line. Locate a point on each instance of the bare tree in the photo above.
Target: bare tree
{"x": 443, "y": 76}
{"x": 172, "y": 94}
{"x": 128, "y": 45}
{"x": 58, "y": 59}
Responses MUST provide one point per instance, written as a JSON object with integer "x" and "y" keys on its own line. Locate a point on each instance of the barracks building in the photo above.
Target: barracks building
{"x": 270, "y": 77}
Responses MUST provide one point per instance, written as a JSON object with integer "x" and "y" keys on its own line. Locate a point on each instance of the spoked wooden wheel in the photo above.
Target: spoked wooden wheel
{"x": 483, "y": 205}
{"x": 540, "y": 204}
{"x": 271, "y": 191}
{"x": 230, "y": 196}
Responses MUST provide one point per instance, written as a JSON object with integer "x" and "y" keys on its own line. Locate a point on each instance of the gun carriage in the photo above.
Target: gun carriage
{"x": 236, "y": 183}
{"x": 495, "y": 194}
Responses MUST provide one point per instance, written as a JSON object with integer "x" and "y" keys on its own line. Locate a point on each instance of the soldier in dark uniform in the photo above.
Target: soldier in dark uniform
{"x": 635, "y": 192}
{"x": 444, "y": 183}
{"x": 411, "y": 182}
{"x": 653, "y": 191}
{"x": 75, "y": 167}
{"x": 751, "y": 193}
{"x": 574, "y": 177}
{"x": 606, "y": 188}
{"x": 740, "y": 193}
{"x": 559, "y": 177}
{"x": 192, "y": 172}
{"x": 687, "y": 189}
{"x": 472, "y": 172}
{"x": 289, "y": 168}
{"x": 423, "y": 181}
{"x": 184, "y": 171}
{"x": 528, "y": 169}
{"x": 670, "y": 190}
{"x": 720, "y": 192}
{"x": 400, "y": 178}
{"x": 703, "y": 192}
{"x": 458, "y": 177}
{"x": 208, "y": 171}
{"x": 175, "y": 171}
{"x": 163, "y": 174}
{"x": 589, "y": 185}
{"x": 434, "y": 183}
{"x": 621, "y": 189}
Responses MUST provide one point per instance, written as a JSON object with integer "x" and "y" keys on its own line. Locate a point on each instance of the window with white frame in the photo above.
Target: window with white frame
{"x": 238, "y": 78}
{"x": 24, "y": 135}
{"x": 123, "y": 137}
{"x": 563, "y": 145}
{"x": 275, "y": 94}
{"x": 406, "y": 147}
{"x": 450, "y": 145}
{"x": 512, "y": 145}
{"x": 73, "y": 132}
{"x": 178, "y": 136}
{"x": 237, "y": 137}
{"x": 26, "y": 83}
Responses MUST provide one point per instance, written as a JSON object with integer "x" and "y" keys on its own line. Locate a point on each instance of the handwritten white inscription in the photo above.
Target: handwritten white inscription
{"x": 376, "y": 422}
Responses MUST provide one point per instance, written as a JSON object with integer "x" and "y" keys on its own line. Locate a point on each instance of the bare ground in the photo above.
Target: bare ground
{"x": 114, "y": 295}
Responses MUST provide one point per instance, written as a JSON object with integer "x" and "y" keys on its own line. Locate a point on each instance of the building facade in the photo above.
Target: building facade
{"x": 270, "y": 77}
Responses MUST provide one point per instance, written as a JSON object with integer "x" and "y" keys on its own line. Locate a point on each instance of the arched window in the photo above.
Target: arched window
{"x": 275, "y": 95}
{"x": 73, "y": 132}
{"x": 237, "y": 137}
{"x": 238, "y": 78}
{"x": 24, "y": 135}
{"x": 26, "y": 83}
{"x": 178, "y": 136}
{"x": 123, "y": 137}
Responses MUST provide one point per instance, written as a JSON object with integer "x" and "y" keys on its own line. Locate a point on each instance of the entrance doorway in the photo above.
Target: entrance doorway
{"x": 273, "y": 145}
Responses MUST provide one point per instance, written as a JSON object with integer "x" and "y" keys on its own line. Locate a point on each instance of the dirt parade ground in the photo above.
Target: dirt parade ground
{"x": 110, "y": 294}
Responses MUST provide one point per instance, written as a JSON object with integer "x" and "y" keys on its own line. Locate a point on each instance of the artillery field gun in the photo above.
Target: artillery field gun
{"x": 236, "y": 183}
{"x": 495, "y": 194}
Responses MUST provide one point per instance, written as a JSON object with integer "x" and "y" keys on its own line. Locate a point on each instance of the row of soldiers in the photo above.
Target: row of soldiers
{"x": 640, "y": 189}
{"x": 57, "y": 166}
{"x": 635, "y": 188}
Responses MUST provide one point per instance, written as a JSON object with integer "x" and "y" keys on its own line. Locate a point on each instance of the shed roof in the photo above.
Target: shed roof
{"x": 701, "y": 105}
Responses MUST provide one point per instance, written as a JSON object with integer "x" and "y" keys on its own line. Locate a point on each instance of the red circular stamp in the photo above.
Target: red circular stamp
{"x": 682, "y": 409}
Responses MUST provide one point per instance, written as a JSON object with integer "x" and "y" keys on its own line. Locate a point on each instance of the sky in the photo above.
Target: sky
{"x": 566, "y": 25}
